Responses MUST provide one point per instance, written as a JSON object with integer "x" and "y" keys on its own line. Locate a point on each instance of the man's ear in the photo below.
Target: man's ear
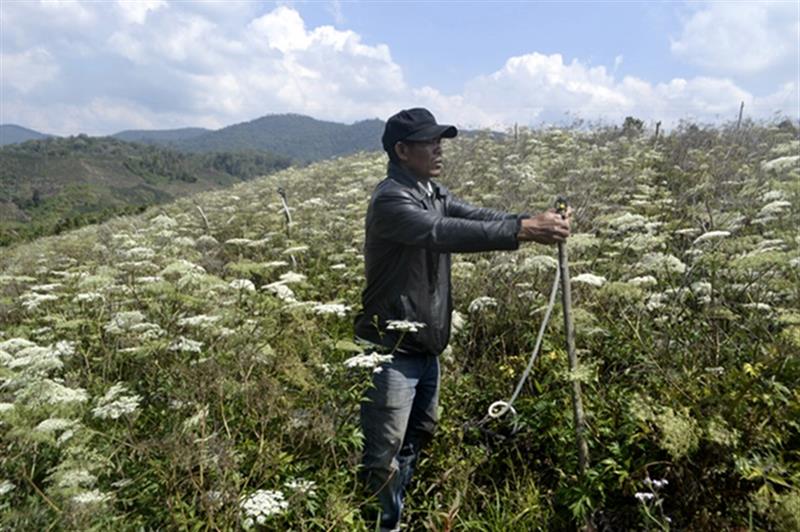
{"x": 401, "y": 150}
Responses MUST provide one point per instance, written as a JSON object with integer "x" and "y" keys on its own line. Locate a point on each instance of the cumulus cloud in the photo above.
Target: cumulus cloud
{"x": 544, "y": 88}
{"x": 136, "y": 11}
{"x": 741, "y": 38}
{"x": 211, "y": 64}
{"x": 24, "y": 71}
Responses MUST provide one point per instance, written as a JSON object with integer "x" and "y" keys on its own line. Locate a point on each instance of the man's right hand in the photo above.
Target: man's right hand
{"x": 545, "y": 228}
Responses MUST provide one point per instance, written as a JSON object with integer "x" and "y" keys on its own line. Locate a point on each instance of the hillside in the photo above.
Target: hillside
{"x": 191, "y": 367}
{"x": 300, "y": 137}
{"x": 160, "y": 136}
{"x": 50, "y": 185}
{"x": 12, "y": 134}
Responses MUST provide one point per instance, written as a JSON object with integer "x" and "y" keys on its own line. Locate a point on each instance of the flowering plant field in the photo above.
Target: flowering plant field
{"x": 193, "y": 367}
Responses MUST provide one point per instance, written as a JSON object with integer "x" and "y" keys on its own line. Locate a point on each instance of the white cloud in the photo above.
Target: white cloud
{"x": 200, "y": 64}
{"x": 742, "y": 38}
{"x": 282, "y": 29}
{"x": 135, "y": 11}
{"x": 28, "y": 69}
{"x": 537, "y": 88}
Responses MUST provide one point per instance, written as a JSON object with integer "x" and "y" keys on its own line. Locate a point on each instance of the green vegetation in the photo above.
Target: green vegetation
{"x": 302, "y": 138}
{"x": 51, "y": 185}
{"x": 185, "y": 368}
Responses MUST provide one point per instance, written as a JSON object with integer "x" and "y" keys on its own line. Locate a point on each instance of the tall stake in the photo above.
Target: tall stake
{"x": 569, "y": 330}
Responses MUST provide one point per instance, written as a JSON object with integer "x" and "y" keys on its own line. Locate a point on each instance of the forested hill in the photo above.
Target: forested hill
{"x": 13, "y": 134}
{"x": 58, "y": 183}
{"x": 160, "y": 136}
{"x": 300, "y": 137}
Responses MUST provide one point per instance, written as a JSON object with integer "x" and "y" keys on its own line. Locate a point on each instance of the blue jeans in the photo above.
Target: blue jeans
{"x": 398, "y": 418}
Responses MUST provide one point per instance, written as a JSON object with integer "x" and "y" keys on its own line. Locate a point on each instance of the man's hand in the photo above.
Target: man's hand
{"x": 545, "y": 228}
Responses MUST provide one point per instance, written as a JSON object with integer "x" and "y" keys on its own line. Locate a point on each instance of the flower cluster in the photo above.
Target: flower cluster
{"x": 261, "y": 505}
{"x": 116, "y": 403}
{"x": 404, "y": 325}
{"x": 479, "y": 304}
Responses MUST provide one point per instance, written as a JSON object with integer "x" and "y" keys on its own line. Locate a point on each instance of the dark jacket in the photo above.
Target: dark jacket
{"x": 409, "y": 238}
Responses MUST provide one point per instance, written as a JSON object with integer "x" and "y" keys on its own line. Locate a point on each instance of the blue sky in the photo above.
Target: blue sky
{"x": 100, "y": 67}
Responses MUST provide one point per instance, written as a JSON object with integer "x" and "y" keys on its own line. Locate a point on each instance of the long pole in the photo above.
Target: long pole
{"x": 569, "y": 330}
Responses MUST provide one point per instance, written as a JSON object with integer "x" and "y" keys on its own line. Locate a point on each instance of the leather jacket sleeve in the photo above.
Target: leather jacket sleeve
{"x": 398, "y": 217}
{"x": 459, "y": 209}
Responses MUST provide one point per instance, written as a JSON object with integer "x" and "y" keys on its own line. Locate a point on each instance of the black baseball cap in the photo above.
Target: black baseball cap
{"x": 414, "y": 124}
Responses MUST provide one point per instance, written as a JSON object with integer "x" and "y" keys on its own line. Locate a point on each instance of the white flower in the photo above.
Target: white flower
{"x": 115, "y": 404}
{"x": 282, "y": 291}
{"x": 457, "y": 322}
{"x": 139, "y": 253}
{"x": 295, "y": 249}
{"x": 339, "y": 266}
{"x": 64, "y": 348}
{"x": 301, "y": 485}
{"x": 643, "y": 496}
{"x": 186, "y": 344}
{"x": 162, "y": 221}
{"x": 781, "y": 162}
{"x": 331, "y": 308}
{"x": 74, "y": 478}
{"x": 47, "y": 391}
{"x": 244, "y": 285}
{"x": 711, "y": 235}
{"x": 13, "y": 345}
{"x": 275, "y": 264}
{"x": 201, "y": 321}
{"x": 46, "y": 287}
{"x": 148, "y": 279}
{"x": 292, "y": 277}
{"x": 37, "y": 360}
{"x": 628, "y": 222}
{"x": 482, "y": 303}
{"x": 90, "y": 497}
{"x": 367, "y": 361}
{"x": 404, "y": 325}
{"x": 263, "y": 504}
{"x": 124, "y": 321}
{"x": 660, "y": 262}
{"x": 773, "y": 208}
{"x": 55, "y": 424}
{"x": 539, "y": 263}
{"x": 196, "y": 419}
{"x": 31, "y": 301}
{"x": 645, "y": 280}
{"x": 6, "y": 487}
{"x": 589, "y": 278}
{"x": 773, "y": 195}
{"x": 87, "y": 297}
{"x": 180, "y": 268}
{"x": 238, "y": 241}
{"x": 6, "y": 407}
{"x": 656, "y": 301}
{"x": 133, "y": 322}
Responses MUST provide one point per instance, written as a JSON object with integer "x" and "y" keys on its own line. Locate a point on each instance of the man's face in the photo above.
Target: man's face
{"x": 423, "y": 158}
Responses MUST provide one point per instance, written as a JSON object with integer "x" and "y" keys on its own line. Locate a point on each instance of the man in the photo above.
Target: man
{"x": 413, "y": 224}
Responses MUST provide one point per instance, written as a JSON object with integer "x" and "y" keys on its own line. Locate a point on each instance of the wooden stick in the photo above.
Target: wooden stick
{"x": 569, "y": 331}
